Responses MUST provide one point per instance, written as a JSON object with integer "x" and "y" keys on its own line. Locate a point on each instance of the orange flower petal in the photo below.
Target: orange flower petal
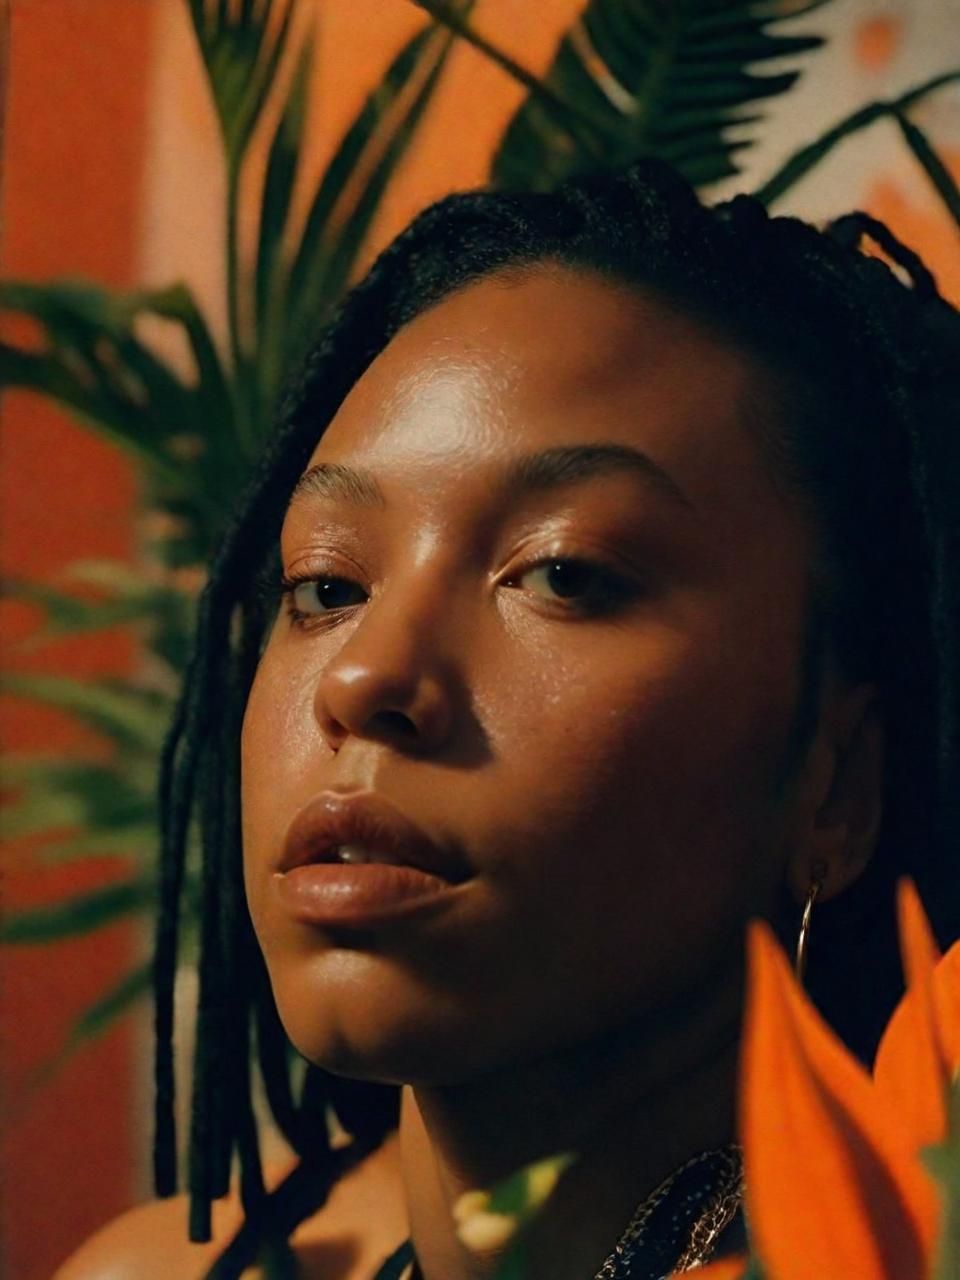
{"x": 913, "y": 1065}
{"x": 918, "y": 947}
{"x": 946, "y": 998}
{"x": 832, "y": 1186}
{"x": 724, "y": 1269}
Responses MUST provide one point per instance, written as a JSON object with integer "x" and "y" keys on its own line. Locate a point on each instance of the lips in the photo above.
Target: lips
{"x": 370, "y": 821}
{"x": 395, "y": 874}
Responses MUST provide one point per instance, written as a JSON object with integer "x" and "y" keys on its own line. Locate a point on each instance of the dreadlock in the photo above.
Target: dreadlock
{"x": 862, "y": 359}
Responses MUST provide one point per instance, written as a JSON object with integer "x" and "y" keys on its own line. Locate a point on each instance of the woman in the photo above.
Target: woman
{"x": 614, "y": 541}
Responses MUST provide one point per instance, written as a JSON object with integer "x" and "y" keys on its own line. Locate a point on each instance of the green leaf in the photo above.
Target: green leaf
{"x": 278, "y": 188}
{"x": 944, "y": 1163}
{"x": 132, "y": 717}
{"x": 352, "y": 186}
{"x": 176, "y": 303}
{"x": 808, "y": 157}
{"x": 524, "y": 1192}
{"x": 95, "y": 365}
{"x": 932, "y": 165}
{"x": 518, "y": 1198}
{"x": 67, "y": 614}
{"x": 631, "y": 72}
{"x": 80, "y": 914}
{"x": 57, "y": 794}
{"x": 447, "y": 13}
{"x": 115, "y": 576}
{"x": 119, "y": 420}
{"x": 201, "y": 494}
{"x": 96, "y": 1020}
{"x": 103, "y": 1013}
{"x": 277, "y": 1260}
{"x": 754, "y": 1271}
{"x": 512, "y": 1265}
{"x": 168, "y": 612}
{"x": 241, "y": 46}
{"x": 92, "y": 331}
{"x": 73, "y": 310}
{"x": 137, "y": 840}
{"x": 165, "y": 614}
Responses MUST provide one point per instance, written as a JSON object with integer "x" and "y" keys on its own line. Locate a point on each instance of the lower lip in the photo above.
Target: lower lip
{"x": 361, "y": 894}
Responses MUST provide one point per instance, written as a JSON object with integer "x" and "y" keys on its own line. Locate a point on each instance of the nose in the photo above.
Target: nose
{"x": 389, "y": 682}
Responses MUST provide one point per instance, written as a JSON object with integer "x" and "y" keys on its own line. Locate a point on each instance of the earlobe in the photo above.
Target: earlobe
{"x": 845, "y": 793}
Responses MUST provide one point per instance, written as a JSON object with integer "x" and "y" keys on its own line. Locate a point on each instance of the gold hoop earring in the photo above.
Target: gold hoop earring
{"x": 816, "y": 884}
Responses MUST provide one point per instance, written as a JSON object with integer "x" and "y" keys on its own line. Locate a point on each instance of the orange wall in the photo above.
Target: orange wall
{"x": 72, "y": 165}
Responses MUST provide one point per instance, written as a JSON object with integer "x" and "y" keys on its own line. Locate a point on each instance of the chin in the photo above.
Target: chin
{"x": 359, "y": 1017}
{"x": 409, "y": 1055}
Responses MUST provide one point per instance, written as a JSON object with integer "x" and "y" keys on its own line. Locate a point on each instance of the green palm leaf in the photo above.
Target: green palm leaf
{"x": 110, "y": 409}
{"x": 83, "y": 913}
{"x": 943, "y": 1162}
{"x": 137, "y": 840}
{"x": 666, "y": 78}
{"x": 940, "y": 176}
{"x": 282, "y": 166}
{"x": 802, "y": 162}
{"x": 102, "y": 1014}
{"x": 69, "y": 614}
{"x": 132, "y": 717}
{"x": 103, "y": 799}
{"x": 95, "y": 364}
{"x": 241, "y": 45}
{"x": 95, "y": 1021}
{"x": 348, "y": 197}
{"x": 176, "y": 304}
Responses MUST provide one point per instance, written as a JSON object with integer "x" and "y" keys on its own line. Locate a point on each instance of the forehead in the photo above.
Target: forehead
{"x": 514, "y": 364}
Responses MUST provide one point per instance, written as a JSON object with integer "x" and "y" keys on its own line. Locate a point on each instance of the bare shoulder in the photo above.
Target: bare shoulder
{"x": 363, "y": 1221}
{"x": 151, "y": 1241}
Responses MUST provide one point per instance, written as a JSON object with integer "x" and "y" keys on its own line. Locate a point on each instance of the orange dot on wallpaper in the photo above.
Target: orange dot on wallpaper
{"x": 876, "y": 41}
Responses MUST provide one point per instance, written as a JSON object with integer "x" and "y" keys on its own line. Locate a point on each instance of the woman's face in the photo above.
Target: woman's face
{"x": 599, "y": 746}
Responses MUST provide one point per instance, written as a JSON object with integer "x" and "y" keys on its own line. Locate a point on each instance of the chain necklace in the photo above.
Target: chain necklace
{"x": 722, "y": 1203}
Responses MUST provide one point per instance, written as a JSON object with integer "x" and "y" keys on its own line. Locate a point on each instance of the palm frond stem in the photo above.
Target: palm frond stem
{"x": 574, "y": 116}
{"x": 241, "y": 401}
{"x": 940, "y": 177}
{"x": 801, "y": 162}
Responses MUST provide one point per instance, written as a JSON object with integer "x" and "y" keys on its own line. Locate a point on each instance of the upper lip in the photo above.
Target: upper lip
{"x": 333, "y": 818}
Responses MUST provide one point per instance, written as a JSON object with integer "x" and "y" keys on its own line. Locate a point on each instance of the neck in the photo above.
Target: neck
{"x": 632, "y": 1104}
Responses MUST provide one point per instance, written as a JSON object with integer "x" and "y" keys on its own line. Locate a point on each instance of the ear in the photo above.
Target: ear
{"x": 842, "y": 808}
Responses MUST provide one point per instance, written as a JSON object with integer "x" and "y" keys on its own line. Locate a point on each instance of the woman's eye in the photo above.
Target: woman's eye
{"x": 311, "y": 597}
{"x": 579, "y": 583}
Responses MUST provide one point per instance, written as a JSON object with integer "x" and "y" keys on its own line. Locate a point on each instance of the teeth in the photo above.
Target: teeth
{"x": 356, "y": 854}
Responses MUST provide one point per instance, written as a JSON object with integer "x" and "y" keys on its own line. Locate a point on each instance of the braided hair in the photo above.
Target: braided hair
{"x": 863, "y": 357}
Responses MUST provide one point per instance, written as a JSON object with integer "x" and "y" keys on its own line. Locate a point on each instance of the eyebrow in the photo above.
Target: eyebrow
{"x": 533, "y": 473}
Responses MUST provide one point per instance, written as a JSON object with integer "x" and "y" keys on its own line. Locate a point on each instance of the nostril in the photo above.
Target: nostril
{"x": 396, "y": 722}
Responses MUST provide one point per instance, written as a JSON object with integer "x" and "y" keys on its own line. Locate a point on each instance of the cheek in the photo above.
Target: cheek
{"x": 643, "y": 785}
{"x": 667, "y": 717}
{"x": 280, "y": 745}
